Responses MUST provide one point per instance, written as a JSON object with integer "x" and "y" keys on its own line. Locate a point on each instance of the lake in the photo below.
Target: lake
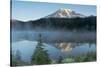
{"x": 56, "y": 42}
{"x": 54, "y": 36}
{"x": 27, "y": 49}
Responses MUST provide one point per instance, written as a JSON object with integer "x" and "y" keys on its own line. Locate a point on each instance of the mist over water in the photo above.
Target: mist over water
{"x": 58, "y": 43}
{"x": 54, "y": 36}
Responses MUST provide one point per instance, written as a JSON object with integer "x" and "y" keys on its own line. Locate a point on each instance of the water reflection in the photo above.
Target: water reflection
{"x": 65, "y": 47}
{"x": 68, "y": 47}
{"x": 55, "y": 50}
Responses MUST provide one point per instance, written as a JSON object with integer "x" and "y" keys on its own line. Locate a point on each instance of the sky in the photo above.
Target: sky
{"x": 25, "y": 11}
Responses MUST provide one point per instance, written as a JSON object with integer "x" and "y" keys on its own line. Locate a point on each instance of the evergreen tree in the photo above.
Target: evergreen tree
{"x": 60, "y": 59}
{"x": 18, "y": 55}
{"x": 40, "y": 55}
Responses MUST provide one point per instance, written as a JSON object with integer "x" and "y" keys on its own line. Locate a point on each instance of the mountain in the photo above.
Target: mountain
{"x": 62, "y": 19}
{"x": 65, "y": 13}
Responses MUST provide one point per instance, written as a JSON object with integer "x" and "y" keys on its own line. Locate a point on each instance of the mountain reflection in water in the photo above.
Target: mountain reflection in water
{"x": 65, "y": 47}
{"x": 54, "y": 50}
{"x": 68, "y": 47}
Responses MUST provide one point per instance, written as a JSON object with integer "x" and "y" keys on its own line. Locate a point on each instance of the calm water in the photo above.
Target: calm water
{"x": 54, "y": 50}
{"x": 54, "y": 36}
{"x": 54, "y": 41}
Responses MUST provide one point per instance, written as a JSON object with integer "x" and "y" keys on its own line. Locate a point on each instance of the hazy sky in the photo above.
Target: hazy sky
{"x": 23, "y": 10}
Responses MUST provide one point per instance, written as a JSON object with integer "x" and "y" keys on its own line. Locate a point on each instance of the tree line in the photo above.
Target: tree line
{"x": 87, "y": 23}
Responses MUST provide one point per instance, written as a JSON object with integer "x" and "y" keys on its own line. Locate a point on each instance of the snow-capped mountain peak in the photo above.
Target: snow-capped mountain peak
{"x": 64, "y": 13}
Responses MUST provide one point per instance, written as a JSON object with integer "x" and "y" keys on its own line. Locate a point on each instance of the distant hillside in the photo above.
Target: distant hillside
{"x": 78, "y": 23}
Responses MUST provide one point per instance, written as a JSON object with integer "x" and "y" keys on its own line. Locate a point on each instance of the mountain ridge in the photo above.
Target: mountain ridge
{"x": 62, "y": 19}
{"x": 65, "y": 13}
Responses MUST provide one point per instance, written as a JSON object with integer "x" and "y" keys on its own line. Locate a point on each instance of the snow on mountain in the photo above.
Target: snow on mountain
{"x": 65, "y": 13}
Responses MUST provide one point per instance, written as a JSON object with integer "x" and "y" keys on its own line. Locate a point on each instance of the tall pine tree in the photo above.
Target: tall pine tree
{"x": 40, "y": 55}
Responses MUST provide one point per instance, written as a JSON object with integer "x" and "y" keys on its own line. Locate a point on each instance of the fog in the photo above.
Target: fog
{"x": 54, "y": 36}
